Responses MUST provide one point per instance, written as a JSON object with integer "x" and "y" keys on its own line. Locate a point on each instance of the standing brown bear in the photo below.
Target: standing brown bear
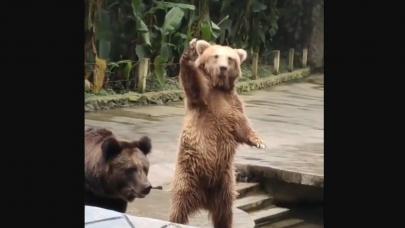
{"x": 214, "y": 125}
{"x": 115, "y": 171}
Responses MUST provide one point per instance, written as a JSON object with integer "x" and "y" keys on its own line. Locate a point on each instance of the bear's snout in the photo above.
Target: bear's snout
{"x": 223, "y": 69}
{"x": 147, "y": 189}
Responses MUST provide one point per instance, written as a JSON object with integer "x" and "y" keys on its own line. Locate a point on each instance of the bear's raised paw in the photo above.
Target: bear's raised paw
{"x": 258, "y": 143}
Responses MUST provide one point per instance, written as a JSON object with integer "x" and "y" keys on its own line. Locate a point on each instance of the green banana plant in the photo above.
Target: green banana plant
{"x": 167, "y": 38}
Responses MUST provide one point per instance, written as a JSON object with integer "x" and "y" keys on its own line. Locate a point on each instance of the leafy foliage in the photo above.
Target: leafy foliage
{"x": 124, "y": 31}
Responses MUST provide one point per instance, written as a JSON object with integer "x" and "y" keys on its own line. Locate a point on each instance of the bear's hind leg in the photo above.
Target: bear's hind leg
{"x": 183, "y": 204}
{"x": 222, "y": 214}
{"x": 221, "y": 208}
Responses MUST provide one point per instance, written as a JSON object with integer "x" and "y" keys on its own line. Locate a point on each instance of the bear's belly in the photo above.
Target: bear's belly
{"x": 207, "y": 151}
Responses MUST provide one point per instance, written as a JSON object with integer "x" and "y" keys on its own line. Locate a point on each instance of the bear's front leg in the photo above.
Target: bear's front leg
{"x": 245, "y": 134}
{"x": 254, "y": 140}
{"x": 191, "y": 51}
{"x": 191, "y": 79}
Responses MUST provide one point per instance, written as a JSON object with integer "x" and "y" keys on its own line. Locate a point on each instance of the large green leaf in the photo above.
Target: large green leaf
{"x": 126, "y": 71}
{"x": 136, "y": 7}
{"x": 160, "y": 70}
{"x": 215, "y": 30}
{"x": 172, "y": 20}
{"x": 166, "y": 5}
{"x": 160, "y": 5}
{"x": 206, "y": 32}
{"x": 113, "y": 65}
{"x": 215, "y": 26}
{"x": 143, "y": 30}
{"x": 140, "y": 24}
{"x": 123, "y": 61}
{"x": 165, "y": 52}
{"x": 210, "y": 30}
{"x": 181, "y": 35}
{"x": 125, "y": 67}
{"x": 142, "y": 51}
{"x": 146, "y": 38}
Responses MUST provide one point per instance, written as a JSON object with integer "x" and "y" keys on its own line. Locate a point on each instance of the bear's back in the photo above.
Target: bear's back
{"x": 94, "y": 137}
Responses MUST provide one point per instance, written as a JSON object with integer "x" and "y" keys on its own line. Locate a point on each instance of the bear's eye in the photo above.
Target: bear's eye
{"x": 216, "y": 56}
{"x": 230, "y": 59}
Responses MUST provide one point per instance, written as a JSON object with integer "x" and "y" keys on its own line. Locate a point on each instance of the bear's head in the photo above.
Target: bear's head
{"x": 221, "y": 64}
{"x": 126, "y": 168}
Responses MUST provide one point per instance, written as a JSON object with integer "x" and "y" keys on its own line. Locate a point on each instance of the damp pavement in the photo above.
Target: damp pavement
{"x": 289, "y": 118}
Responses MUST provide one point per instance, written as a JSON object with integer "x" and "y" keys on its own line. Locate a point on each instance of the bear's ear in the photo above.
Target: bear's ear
{"x": 145, "y": 145}
{"x": 201, "y": 45}
{"x": 242, "y": 55}
{"x": 111, "y": 148}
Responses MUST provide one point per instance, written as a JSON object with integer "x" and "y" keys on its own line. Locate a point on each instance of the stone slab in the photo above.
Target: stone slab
{"x": 157, "y": 205}
{"x": 96, "y": 217}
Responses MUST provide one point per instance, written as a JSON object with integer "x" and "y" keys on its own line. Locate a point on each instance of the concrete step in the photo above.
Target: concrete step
{"x": 253, "y": 201}
{"x": 268, "y": 215}
{"x": 284, "y": 223}
{"x": 243, "y": 188}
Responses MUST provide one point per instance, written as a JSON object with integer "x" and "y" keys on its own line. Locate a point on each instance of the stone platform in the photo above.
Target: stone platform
{"x": 157, "y": 205}
{"x": 96, "y": 217}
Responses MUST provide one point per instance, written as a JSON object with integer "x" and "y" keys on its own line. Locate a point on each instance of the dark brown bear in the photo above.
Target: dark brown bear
{"x": 115, "y": 171}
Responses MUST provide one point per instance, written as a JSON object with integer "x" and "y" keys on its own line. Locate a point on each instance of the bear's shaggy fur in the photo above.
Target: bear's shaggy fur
{"x": 115, "y": 171}
{"x": 214, "y": 125}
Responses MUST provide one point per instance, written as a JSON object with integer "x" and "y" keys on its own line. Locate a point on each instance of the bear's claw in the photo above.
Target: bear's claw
{"x": 193, "y": 42}
{"x": 261, "y": 146}
{"x": 259, "y": 143}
